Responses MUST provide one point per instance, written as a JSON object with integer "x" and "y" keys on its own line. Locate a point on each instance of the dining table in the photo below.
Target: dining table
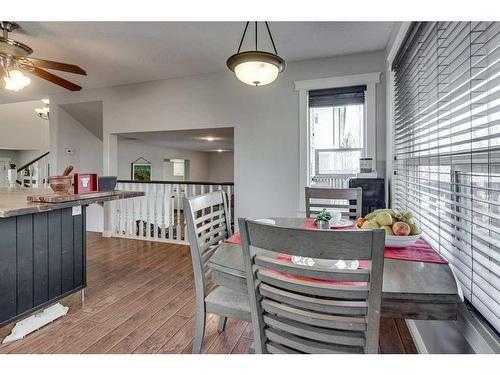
{"x": 411, "y": 289}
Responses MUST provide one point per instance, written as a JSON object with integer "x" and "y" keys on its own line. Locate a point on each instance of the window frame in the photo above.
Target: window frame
{"x": 303, "y": 87}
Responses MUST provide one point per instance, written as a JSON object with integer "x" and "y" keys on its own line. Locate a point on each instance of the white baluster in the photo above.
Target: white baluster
{"x": 37, "y": 174}
{"x": 171, "y": 221}
{"x": 178, "y": 213}
{"x": 147, "y": 198}
{"x": 164, "y": 210}
{"x": 118, "y": 216}
{"x": 133, "y": 214}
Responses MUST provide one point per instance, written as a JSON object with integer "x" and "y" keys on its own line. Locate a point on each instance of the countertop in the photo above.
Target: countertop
{"x": 14, "y": 202}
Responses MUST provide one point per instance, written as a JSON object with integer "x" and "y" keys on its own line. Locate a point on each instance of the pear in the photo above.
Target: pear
{"x": 371, "y": 216}
{"x": 390, "y": 211}
{"x": 384, "y": 218}
{"x": 370, "y": 224}
{"x": 388, "y": 230}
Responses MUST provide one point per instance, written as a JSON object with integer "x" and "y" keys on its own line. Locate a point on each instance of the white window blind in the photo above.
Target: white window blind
{"x": 447, "y": 149}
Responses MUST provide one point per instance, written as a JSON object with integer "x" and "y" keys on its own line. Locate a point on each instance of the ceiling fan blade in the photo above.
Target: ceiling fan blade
{"x": 54, "y": 79}
{"x": 55, "y": 65}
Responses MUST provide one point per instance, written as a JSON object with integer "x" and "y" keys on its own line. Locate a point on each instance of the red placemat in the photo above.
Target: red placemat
{"x": 363, "y": 264}
{"x": 420, "y": 251}
{"x": 235, "y": 238}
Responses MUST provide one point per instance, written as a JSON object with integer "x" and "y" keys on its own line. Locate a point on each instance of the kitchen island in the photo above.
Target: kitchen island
{"x": 42, "y": 249}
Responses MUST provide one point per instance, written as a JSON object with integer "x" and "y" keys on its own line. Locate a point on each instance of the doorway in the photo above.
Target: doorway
{"x": 176, "y": 170}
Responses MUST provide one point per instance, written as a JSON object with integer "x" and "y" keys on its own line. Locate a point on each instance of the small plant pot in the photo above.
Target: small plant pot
{"x": 323, "y": 224}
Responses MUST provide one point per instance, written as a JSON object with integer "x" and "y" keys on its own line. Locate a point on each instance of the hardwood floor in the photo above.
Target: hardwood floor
{"x": 140, "y": 299}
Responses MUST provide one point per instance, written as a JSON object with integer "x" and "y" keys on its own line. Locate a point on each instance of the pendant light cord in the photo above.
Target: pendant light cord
{"x": 243, "y": 37}
{"x": 256, "y": 30}
{"x": 256, "y": 35}
{"x": 271, "y": 37}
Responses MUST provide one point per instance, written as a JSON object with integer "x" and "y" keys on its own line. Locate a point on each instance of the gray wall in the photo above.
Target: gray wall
{"x": 130, "y": 150}
{"x": 265, "y": 119}
{"x": 221, "y": 166}
{"x": 87, "y": 158}
{"x": 21, "y": 128}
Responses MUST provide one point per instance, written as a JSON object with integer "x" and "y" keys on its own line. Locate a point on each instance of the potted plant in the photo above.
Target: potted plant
{"x": 322, "y": 220}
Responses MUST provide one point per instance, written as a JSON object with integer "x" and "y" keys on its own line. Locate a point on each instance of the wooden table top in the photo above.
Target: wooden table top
{"x": 404, "y": 281}
{"x": 14, "y": 202}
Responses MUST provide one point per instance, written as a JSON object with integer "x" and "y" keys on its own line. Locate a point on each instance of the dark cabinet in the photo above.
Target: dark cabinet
{"x": 42, "y": 259}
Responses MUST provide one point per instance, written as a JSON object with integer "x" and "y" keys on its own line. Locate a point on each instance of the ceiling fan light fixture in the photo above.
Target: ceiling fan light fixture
{"x": 256, "y": 68}
{"x": 16, "y": 55}
{"x": 16, "y": 80}
{"x": 44, "y": 112}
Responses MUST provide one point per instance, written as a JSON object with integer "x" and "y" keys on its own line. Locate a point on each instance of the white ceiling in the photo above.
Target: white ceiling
{"x": 117, "y": 53}
{"x": 188, "y": 139}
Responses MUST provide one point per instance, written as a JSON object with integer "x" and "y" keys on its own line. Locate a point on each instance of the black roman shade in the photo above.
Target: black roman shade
{"x": 341, "y": 96}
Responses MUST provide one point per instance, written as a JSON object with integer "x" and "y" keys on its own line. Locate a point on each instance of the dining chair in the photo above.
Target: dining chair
{"x": 350, "y": 201}
{"x": 313, "y": 309}
{"x": 208, "y": 225}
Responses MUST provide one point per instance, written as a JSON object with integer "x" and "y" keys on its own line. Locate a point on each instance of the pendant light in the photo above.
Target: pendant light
{"x": 256, "y": 68}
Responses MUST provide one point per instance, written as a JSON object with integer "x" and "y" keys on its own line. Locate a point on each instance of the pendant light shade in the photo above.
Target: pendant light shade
{"x": 256, "y": 68}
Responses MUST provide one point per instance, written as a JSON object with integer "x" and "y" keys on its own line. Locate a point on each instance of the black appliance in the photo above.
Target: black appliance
{"x": 373, "y": 193}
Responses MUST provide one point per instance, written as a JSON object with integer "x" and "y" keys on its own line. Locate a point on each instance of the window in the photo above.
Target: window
{"x": 447, "y": 149}
{"x": 336, "y": 125}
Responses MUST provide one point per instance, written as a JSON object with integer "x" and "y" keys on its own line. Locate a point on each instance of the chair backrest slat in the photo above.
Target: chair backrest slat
{"x": 208, "y": 225}
{"x": 312, "y": 309}
{"x": 347, "y": 201}
{"x": 310, "y": 303}
{"x": 348, "y": 245}
{"x": 312, "y": 271}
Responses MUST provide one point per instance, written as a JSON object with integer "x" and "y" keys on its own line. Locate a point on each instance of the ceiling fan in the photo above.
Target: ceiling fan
{"x": 14, "y": 58}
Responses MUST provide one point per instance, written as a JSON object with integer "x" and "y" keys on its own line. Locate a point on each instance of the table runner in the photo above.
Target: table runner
{"x": 420, "y": 251}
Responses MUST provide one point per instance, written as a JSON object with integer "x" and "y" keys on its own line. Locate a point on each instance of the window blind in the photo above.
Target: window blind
{"x": 336, "y": 97}
{"x": 447, "y": 149}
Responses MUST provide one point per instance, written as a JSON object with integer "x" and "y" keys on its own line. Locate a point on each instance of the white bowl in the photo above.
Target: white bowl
{"x": 401, "y": 241}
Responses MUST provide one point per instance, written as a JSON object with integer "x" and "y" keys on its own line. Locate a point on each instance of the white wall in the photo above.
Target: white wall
{"x": 265, "y": 120}
{"x": 130, "y": 150}
{"x": 13, "y": 155}
{"x": 221, "y": 166}
{"x": 87, "y": 158}
{"x": 21, "y": 128}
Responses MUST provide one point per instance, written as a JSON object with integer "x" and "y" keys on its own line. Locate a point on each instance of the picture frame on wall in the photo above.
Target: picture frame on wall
{"x": 141, "y": 170}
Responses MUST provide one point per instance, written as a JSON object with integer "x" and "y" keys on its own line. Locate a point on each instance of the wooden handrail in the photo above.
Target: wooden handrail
{"x": 32, "y": 162}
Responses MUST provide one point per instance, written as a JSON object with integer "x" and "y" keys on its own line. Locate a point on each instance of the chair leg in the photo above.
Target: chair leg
{"x": 222, "y": 323}
{"x": 199, "y": 331}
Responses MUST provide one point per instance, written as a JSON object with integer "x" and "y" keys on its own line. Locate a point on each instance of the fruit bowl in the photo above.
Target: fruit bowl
{"x": 401, "y": 241}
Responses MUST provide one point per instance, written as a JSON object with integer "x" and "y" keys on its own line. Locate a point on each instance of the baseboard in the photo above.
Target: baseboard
{"x": 479, "y": 336}
{"x": 107, "y": 233}
{"x": 417, "y": 339}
